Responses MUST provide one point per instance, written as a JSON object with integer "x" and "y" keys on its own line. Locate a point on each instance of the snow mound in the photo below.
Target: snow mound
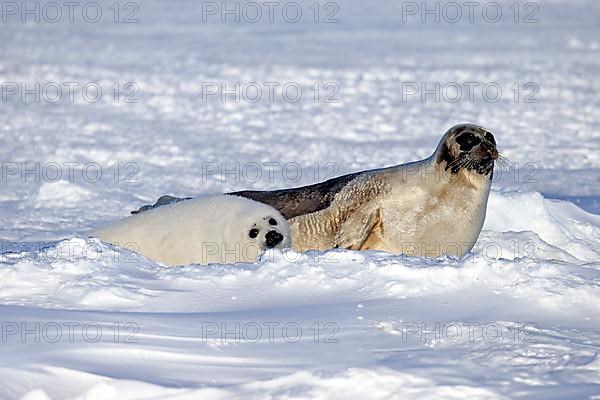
{"x": 558, "y": 223}
{"x": 61, "y": 194}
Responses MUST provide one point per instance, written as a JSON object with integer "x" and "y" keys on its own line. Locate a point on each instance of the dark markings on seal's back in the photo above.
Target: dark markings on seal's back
{"x": 289, "y": 202}
{"x": 302, "y": 200}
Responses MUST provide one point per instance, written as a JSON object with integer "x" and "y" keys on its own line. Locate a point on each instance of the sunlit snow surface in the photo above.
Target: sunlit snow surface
{"x": 519, "y": 317}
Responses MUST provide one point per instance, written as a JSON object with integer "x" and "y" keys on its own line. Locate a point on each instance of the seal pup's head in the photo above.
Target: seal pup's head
{"x": 262, "y": 228}
{"x": 269, "y": 231}
{"x": 467, "y": 147}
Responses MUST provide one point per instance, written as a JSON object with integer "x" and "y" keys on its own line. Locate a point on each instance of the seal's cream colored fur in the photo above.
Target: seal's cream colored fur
{"x": 213, "y": 229}
{"x": 420, "y": 208}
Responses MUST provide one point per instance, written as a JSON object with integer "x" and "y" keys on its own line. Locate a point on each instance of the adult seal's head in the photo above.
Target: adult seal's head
{"x": 467, "y": 147}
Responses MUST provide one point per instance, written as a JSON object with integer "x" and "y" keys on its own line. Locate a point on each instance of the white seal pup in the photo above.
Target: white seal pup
{"x": 431, "y": 207}
{"x": 215, "y": 229}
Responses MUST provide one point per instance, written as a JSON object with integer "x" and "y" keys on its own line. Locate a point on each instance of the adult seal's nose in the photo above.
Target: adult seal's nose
{"x": 488, "y": 150}
{"x": 492, "y": 151}
{"x": 273, "y": 238}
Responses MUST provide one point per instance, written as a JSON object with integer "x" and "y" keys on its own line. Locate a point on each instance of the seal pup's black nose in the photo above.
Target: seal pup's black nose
{"x": 273, "y": 238}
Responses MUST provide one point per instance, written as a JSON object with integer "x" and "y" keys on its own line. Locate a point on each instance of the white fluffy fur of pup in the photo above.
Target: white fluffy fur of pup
{"x": 215, "y": 229}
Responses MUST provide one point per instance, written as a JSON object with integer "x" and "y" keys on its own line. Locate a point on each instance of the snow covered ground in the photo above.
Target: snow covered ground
{"x": 517, "y": 318}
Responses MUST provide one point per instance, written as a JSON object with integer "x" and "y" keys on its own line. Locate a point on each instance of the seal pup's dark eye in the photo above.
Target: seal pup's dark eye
{"x": 272, "y": 221}
{"x": 253, "y": 233}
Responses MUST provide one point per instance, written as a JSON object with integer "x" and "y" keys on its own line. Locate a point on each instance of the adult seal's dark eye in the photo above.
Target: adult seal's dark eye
{"x": 490, "y": 138}
{"x": 253, "y": 233}
{"x": 272, "y": 221}
{"x": 467, "y": 141}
